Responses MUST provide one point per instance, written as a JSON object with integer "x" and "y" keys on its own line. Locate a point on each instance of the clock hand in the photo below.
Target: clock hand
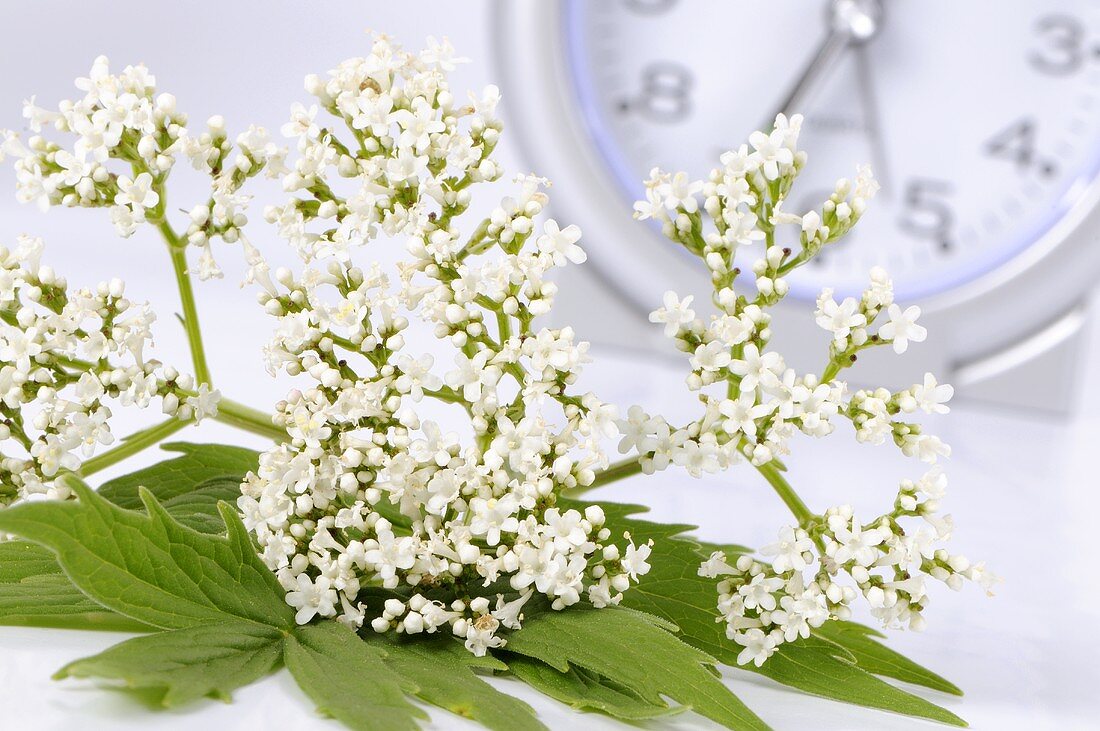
{"x": 872, "y": 118}
{"x": 849, "y": 21}
{"x": 828, "y": 53}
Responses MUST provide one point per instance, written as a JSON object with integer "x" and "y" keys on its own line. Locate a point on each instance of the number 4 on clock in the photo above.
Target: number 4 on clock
{"x": 1017, "y": 144}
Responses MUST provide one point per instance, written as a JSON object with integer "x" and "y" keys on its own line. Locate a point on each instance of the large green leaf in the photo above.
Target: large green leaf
{"x": 586, "y": 691}
{"x": 443, "y": 672}
{"x": 184, "y": 665}
{"x": 674, "y": 591}
{"x": 34, "y": 593}
{"x": 637, "y": 652}
{"x": 151, "y": 568}
{"x": 172, "y": 478}
{"x": 41, "y": 595}
{"x": 349, "y": 680}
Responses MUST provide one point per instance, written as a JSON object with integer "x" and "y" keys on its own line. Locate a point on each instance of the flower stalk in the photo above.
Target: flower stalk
{"x": 615, "y": 472}
{"x": 178, "y": 253}
{"x": 131, "y": 445}
{"x": 249, "y": 419}
{"x": 790, "y": 498}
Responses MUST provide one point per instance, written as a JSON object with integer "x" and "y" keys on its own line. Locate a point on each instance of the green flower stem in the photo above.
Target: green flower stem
{"x": 831, "y": 371}
{"x": 133, "y": 444}
{"x": 446, "y": 394}
{"x": 615, "y": 472}
{"x": 249, "y": 419}
{"x": 504, "y": 326}
{"x": 177, "y": 250}
{"x": 786, "y": 493}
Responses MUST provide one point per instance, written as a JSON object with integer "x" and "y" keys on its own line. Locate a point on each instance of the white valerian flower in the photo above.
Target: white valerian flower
{"x": 881, "y": 292}
{"x": 136, "y": 193}
{"x": 854, "y": 543}
{"x": 204, "y": 404}
{"x": 758, "y": 646}
{"x": 675, "y": 314}
{"x": 757, "y": 369}
{"x": 312, "y": 598}
{"x": 712, "y": 356}
{"x": 931, "y": 396}
{"x": 367, "y": 491}
{"x": 753, "y": 403}
{"x": 903, "y": 328}
{"x": 561, "y": 244}
{"x": 790, "y": 551}
{"x": 679, "y": 192}
{"x": 840, "y": 319}
{"x": 636, "y": 562}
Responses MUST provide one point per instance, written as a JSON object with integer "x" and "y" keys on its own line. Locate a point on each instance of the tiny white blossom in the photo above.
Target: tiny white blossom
{"x": 674, "y": 314}
{"x": 758, "y": 647}
{"x": 312, "y": 598}
{"x": 561, "y": 244}
{"x": 931, "y": 396}
{"x": 903, "y": 328}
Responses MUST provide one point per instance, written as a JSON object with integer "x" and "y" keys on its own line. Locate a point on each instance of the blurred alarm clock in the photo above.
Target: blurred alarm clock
{"x": 981, "y": 120}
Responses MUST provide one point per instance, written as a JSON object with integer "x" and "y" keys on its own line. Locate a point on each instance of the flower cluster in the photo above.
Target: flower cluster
{"x": 764, "y": 605}
{"x": 63, "y": 355}
{"x": 372, "y": 513}
{"x": 122, "y": 118}
{"x": 753, "y": 403}
{"x": 119, "y": 117}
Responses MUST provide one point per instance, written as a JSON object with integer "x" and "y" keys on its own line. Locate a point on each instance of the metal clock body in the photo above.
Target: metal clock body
{"x": 981, "y": 119}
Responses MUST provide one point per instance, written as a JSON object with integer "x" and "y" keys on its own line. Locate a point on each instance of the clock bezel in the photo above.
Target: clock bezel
{"x": 1031, "y": 288}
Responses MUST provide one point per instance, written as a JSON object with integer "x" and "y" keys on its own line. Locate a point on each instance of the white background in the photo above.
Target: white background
{"x": 1023, "y": 486}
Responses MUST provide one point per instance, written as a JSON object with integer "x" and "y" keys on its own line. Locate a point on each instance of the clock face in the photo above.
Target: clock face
{"x": 981, "y": 119}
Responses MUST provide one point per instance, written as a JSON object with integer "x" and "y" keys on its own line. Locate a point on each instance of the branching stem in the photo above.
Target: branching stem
{"x": 790, "y": 498}
{"x": 177, "y": 250}
{"x": 133, "y": 444}
{"x": 249, "y": 419}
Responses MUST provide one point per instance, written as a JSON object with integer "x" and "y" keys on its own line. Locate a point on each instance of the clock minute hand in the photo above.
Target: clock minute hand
{"x": 823, "y": 62}
{"x": 850, "y": 21}
{"x": 873, "y": 122}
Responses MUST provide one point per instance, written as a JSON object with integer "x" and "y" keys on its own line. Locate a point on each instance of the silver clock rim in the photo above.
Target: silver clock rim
{"x": 1032, "y": 288}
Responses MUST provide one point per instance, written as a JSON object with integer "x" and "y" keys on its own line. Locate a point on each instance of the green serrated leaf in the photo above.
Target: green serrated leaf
{"x": 635, "y": 651}
{"x": 42, "y": 596}
{"x": 443, "y": 672}
{"x": 621, "y": 517}
{"x": 34, "y": 593}
{"x": 185, "y": 665}
{"x": 673, "y": 590}
{"x": 21, "y": 560}
{"x": 172, "y": 478}
{"x": 586, "y": 691}
{"x": 151, "y": 568}
{"x": 817, "y": 666}
{"x": 874, "y": 657}
{"x": 349, "y": 680}
{"x": 706, "y": 548}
